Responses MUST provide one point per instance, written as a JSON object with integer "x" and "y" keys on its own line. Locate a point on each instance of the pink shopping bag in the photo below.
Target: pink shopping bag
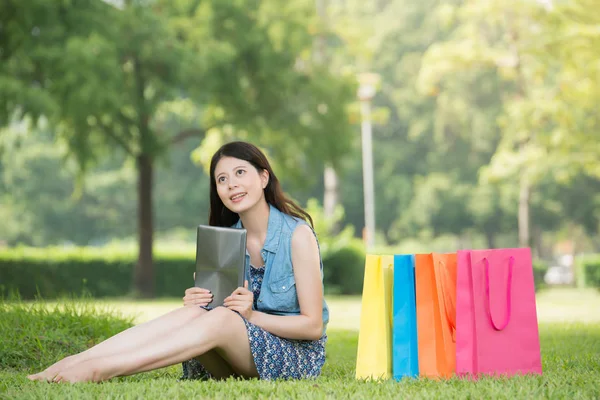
{"x": 496, "y": 318}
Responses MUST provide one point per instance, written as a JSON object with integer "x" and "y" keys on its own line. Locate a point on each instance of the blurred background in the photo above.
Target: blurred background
{"x": 403, "y": 126}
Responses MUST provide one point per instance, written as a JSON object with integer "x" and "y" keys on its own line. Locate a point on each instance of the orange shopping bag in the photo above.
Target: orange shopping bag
{"x": 435, "y": 281}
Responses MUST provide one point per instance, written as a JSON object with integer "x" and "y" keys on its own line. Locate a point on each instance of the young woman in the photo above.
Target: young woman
{"x": 273, "y": 327}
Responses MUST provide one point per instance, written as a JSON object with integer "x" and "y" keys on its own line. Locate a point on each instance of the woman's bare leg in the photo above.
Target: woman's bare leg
{"x": 220, "y": 329}
{"x": 216, "y": 365}
{"x": 137, "y": 336}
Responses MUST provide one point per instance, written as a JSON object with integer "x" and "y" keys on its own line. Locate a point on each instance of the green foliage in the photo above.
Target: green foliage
{"x": 35, "y": 336}
{"x": 539, "y": 271}
{"x": 54, "y": 272}
{"x": 591, "y": 270}
{"x": 477, "y": 96}
{"x": 106, "y": 272}
{"x": 108, "y": 86}
{"x": 344, "y": 270}
{"x": 110, "y": 76}
{"x": 101, "y": 272}
{"x": 41, "y": 202}
{"x": 572, "y": 41}
{"x": 343, "y": 255}
{"x": 41, "y": 206}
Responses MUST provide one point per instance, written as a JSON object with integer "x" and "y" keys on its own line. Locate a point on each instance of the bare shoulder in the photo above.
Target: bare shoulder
{"x": 303, "y": 239}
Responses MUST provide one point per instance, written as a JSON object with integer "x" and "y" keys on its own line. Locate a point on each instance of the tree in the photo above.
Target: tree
{"x": 495, "y": 36}
{"x": 104, "y": 83}
{"x": 569, "y": 54}
{"x": 428, "y": 142}
{"x": 41, "y": 204}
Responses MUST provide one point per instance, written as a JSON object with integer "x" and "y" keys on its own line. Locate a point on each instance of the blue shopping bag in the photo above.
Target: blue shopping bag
{"x": 404, "y": 328}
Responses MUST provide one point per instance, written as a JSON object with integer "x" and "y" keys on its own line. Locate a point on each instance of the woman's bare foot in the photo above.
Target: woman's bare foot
{"x": 49, "y": 373}
{"x": 87, "y": 371}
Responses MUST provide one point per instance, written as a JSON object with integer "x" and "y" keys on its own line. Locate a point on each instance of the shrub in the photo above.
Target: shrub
{"x": 344, "y": 270}
{"x": 539, "y": 271}
{"x": 591, "y": 269}
{"x": 343, "y": 255}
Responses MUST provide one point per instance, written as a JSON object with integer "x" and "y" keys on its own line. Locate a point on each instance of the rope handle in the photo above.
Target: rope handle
{"x": 508, "y": 292}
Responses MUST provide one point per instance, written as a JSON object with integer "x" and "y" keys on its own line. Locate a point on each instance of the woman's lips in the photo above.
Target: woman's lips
{"x": 238, "y": 197}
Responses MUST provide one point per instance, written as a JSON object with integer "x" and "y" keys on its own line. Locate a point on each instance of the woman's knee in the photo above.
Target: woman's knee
{"x": 191, "y": 312}
{"x": 222, "y": 316}
{"x": 223, "y": 321}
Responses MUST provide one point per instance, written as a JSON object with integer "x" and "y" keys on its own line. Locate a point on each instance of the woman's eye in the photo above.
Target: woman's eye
{"x": 240, "y": 171}
{"x": 221, "y": 179}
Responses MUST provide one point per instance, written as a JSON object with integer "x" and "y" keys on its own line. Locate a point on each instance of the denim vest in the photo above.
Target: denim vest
{"x": 278, "y": 294}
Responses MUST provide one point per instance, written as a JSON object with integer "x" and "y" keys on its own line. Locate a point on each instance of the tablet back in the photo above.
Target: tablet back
{"x": 220, "y": 260}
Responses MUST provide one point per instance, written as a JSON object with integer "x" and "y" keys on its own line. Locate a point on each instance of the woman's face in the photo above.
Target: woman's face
{"x": 239, "y": 185}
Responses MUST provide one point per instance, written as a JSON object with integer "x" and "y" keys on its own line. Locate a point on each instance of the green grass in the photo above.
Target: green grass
{"x": 553, "y": 305}
{"x": 34, "y": 335}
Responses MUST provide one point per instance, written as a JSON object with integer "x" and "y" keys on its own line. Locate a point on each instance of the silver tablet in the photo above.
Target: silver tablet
{"x": 220, "y": 260}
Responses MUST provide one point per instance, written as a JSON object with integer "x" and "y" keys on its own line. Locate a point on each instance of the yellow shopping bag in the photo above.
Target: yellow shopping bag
{"x": 374, "y": 355}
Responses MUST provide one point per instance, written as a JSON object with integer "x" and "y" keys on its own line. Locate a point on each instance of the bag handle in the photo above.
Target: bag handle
{"x": 508, "y": 292}
{"x": 448, "y": 303}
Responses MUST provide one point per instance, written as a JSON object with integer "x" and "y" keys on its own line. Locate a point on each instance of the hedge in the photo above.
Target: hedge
{"x": 53, "y": 272}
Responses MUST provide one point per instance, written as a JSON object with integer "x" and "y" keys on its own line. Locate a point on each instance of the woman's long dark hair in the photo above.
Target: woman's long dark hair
{"x": 220, "y": 215}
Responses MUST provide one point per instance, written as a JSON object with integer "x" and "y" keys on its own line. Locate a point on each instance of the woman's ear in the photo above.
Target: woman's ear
{"x": 264, "y": 177}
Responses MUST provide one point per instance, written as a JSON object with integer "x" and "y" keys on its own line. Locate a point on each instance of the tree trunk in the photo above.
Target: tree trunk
{"x": 331, "y": 193}
{"x": 574, "y": 234}
{"x": 463, "y": 241}
{"x": 524, "y": 183}
{"x": 330, "y": 197}
{"x": 538, "y": 242}
{"x": 524, "y": 192}
{"x": 491, "y": 239}
{"x": 143, "y": 274}
{"x": 143, "y": 279}
{"x": 574, "y": 270}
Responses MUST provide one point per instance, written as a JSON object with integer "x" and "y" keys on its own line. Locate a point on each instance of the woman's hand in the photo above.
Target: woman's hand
{"x": 241, "y": 300}
{"x": 196, "y": 296}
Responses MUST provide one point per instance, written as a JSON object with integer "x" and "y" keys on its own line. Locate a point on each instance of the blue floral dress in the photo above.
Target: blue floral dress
{"x": 275, "y": 357}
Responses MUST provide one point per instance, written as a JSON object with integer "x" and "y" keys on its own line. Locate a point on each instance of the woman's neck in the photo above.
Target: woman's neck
{"x": 256, "y": 221}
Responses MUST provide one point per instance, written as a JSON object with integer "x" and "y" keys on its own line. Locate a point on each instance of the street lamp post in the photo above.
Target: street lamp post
{"x": 366, "y": 92}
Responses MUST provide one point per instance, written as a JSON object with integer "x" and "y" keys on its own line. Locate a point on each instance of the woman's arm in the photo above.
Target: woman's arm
{"x": 307, "y": 273}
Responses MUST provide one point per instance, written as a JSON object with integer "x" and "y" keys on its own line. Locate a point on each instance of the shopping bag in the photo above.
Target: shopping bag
{"x": 445, "y": 280}
{"x": 404, "y": 326}
{"x": 435, "y": 281}
{"x": 496, "y": 326}
{"x": 374, "y": 354}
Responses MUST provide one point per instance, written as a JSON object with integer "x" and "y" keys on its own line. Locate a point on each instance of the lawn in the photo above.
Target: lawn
{"x": 569, "y": 333}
